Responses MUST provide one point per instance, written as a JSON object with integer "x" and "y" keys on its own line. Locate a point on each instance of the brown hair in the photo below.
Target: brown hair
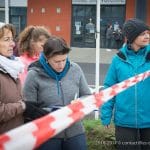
{"x": 55, "y": 46}
{"x": 9, "y": 27}
{"x": 28, "y": 34}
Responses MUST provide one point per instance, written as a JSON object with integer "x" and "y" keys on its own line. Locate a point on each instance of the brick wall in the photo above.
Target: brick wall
{"x": 54, "y": 14}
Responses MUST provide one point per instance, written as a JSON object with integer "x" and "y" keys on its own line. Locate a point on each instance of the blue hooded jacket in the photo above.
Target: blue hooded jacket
{"x": 130, "y": 108}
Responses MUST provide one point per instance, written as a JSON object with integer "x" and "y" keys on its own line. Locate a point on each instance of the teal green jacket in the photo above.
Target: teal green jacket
{"x": 130, "y": 108}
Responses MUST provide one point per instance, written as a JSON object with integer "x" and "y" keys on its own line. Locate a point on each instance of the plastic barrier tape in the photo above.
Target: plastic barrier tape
{"x": 31, "y": 135}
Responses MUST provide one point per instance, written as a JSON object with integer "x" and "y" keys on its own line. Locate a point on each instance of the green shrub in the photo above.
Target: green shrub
{"x": 99, "y": 137}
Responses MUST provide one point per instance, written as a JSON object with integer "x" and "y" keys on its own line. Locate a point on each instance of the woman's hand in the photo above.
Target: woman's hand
{"x": 107, "y": 126}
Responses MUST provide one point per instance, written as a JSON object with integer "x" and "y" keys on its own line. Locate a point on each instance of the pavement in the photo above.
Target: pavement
{"x": 88, "y": 55}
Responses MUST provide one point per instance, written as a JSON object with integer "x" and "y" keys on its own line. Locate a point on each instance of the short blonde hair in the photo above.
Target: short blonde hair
{"x": 9, "y": 27}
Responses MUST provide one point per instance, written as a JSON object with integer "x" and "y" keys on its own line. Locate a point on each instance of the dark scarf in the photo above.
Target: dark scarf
{"x": 50, "y": 71}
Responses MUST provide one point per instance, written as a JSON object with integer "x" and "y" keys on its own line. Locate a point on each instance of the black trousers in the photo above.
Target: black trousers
{"x": 132, "y": 138}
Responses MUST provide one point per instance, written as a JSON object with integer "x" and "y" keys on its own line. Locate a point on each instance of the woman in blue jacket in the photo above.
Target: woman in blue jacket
{"x": 131, "y": 108}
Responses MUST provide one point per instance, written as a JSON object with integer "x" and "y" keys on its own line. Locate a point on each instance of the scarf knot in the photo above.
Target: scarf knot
{"x": 49, "y": 70}
{"x": 12, "y": 66}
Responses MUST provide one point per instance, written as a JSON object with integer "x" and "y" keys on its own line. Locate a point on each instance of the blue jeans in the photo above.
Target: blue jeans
{"x": 74, "y": 143}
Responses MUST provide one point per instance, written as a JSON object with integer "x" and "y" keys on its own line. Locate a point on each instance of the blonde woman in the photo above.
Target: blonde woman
{"x": 31, "y": 41}
{"x": 11, "y": 104}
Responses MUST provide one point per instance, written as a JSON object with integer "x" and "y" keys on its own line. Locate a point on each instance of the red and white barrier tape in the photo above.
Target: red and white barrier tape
{"x": 31, "y": 135}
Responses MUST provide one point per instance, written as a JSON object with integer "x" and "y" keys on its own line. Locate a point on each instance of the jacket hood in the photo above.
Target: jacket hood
{"x": 36, "y": 66}
{"x": 123, "y": 52}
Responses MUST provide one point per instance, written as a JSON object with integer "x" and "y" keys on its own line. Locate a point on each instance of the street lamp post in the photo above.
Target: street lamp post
{"x": 6, "y": 11}
{"x": 97, "y": 74}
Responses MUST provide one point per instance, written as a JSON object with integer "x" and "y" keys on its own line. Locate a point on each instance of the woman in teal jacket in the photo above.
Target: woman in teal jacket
{"x": 131, "y": 108}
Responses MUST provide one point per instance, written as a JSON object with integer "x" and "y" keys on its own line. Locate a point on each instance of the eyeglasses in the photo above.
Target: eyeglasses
{"x": 8, "y": 39}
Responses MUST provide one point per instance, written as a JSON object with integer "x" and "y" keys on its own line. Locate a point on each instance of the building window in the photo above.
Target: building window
{"x": 31, "y": 10}
{"x": 18, "y": 17}
{"x": 141, "y": 14}
{"x": 2, "y": 14}
{"x": 57, "y": 28}
{"x": 58, "y": 10}
{"x": 43, "y": 10}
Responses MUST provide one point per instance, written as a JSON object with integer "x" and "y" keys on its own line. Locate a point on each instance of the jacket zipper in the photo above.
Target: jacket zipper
{"x": 62, "y": 97}
{"x": 136, "y": 103}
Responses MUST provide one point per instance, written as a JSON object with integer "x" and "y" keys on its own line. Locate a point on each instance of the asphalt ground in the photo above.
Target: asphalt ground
{"x": 88, "y": 55}
{"x": 86, "y": 58}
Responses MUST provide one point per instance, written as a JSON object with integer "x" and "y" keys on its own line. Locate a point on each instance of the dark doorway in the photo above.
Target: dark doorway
{"x": 110, "y": 15}
{"x": 18, "y": 17}
{"x": 84, "y": 24}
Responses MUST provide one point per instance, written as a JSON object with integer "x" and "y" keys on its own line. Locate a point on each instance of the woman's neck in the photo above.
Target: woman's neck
{"x": 135, "y": 47}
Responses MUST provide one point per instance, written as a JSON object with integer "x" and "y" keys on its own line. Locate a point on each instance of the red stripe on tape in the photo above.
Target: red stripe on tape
{"x": 98, "y": 98}
{"x": 3, "y": 139}
{"x": 44, "y": 131}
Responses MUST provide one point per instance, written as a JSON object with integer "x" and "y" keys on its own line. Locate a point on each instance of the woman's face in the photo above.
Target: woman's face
{"x": 58, "y": 62}
{"x": 7, "y": 44}
{"x": 37, "y": 46}
{"x": 142, "y": 40}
